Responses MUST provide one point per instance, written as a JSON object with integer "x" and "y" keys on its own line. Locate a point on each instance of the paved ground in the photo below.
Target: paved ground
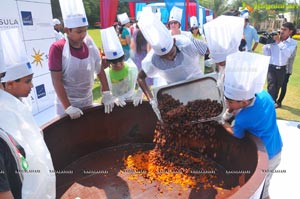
{"x": 286, "y": 185}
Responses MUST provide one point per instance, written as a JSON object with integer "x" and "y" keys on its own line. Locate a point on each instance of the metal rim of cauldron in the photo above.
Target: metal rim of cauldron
{"x": 246, "y": 191}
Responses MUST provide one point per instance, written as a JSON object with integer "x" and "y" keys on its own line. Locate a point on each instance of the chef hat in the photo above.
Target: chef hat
{"x": 55, "y": 21}
{"x": 138, "y": 15}
{"x": 123, "y": 18}
{"x": 245, "y": 75}
{"x": 73, "y": 13}
{"x": 209, "y": 18}
{"x": 223, "y": 36}
{"x": 13, "y": 55}
{"x": 158, "y": 14}
{"x": 147, "y": 10}
{"x": 193, "y": 22}
{"x": 244, "y": 13}
{"x": 111, "y": 44}
{"x": 175, "y": 14}
{"x": 156, "y": 33}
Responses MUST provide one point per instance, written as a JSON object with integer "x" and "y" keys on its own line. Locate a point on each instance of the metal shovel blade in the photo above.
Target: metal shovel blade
{"x": 196, "y": 89}
{"x": 217, "y": 119}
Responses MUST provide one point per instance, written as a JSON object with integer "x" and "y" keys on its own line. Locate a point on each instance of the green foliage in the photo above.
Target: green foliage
{"x": 56, "y": 12}
{"x": 296, "y": 14}
{"x": 92, "y": 10}
{"x": 218, "y": 6}
{"x": 123, "y": 7}
{"x": 260, "y": 15}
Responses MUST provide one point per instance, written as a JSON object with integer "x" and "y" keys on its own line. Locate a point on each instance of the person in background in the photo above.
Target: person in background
{"x": 140, "y": 48}
{"x": 280, "y": 51}
{"x": 289, "y": 70}
{"x": 250, "y": 34}
{"x": 245, "y": 75}
{"x": 173, "y": 59}
{"x": 238, "y": 13}
{"x": 25, "y": 162}
{"x": 124, "y": 33}
{"x": 122, "y": 76}
{"x": 194, "y": 28}
{"x": 175, "y": 22}
{"x": 73, "y": 62}
{"x": 196, "y": 34}
{"x": 57, "y": 29}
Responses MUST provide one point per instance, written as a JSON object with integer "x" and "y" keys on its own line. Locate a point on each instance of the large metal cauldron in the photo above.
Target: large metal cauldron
{"x": 87, "y": 156}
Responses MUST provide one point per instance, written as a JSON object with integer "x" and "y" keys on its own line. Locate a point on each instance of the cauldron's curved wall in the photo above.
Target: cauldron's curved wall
{"x": 68, "y": 140}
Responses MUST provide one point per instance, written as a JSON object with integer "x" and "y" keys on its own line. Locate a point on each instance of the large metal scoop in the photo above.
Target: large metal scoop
{"x": 201, "y": 88}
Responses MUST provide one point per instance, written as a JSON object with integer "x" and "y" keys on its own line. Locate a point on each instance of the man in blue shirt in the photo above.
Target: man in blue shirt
{"x": 251, "y": 35}
{"x": 280, "y": 51}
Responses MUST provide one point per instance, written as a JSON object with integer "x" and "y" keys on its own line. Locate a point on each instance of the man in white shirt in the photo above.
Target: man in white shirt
{"x": 280, "y": 51}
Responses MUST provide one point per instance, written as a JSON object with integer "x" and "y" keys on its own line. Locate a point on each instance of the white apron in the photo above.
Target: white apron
{"x": 39, "y": 180}
{"x": 126, "y": 87}
{"x": 78, "y": 76}
{"x": 189, "y": 67}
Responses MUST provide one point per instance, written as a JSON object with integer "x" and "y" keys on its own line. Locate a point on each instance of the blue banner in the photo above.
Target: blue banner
{"x": 179, "y": 4}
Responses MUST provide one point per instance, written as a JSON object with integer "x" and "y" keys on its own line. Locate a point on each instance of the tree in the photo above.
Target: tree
{"x": 56, "y": 12}
{"x": 92, "y": 10}
{"x": 123, "y": 7}
{"x": 217, "y": 6}
{"x": 296, "y": 14}
{"x": 262, "y": 9}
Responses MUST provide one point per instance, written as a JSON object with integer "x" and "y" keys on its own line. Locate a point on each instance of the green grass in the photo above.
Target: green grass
{"x": 95, "y": 34}
{"x": 96, "y": 91}
{"x": 290, "y": 109}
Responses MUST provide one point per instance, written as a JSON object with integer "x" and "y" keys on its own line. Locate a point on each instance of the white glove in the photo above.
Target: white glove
{"x": 120, "y": 101}
{"x": 108, "y": 100}
{"x": 226, "y": 116}
{"x": 138, "y": 98}
{"x": 221, "y": 121}
{"x": 74, "y": 112}
{"x": 155, "y": 109}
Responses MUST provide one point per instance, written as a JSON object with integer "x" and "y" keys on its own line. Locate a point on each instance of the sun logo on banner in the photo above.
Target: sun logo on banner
{"x": 37, "y": 57}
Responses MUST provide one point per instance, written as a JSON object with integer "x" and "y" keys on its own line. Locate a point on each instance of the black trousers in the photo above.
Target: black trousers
{"x": 283, "y": 88}
{"x": 275, "y": 79}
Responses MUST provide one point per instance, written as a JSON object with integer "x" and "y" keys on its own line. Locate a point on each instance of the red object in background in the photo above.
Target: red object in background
{"x": 187, "y": 2}
{"x": 108, "y": 12}
{"x": 192, "y": 9}
{"x": 131, "y": 9}
{"x": 207, "y": 12}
